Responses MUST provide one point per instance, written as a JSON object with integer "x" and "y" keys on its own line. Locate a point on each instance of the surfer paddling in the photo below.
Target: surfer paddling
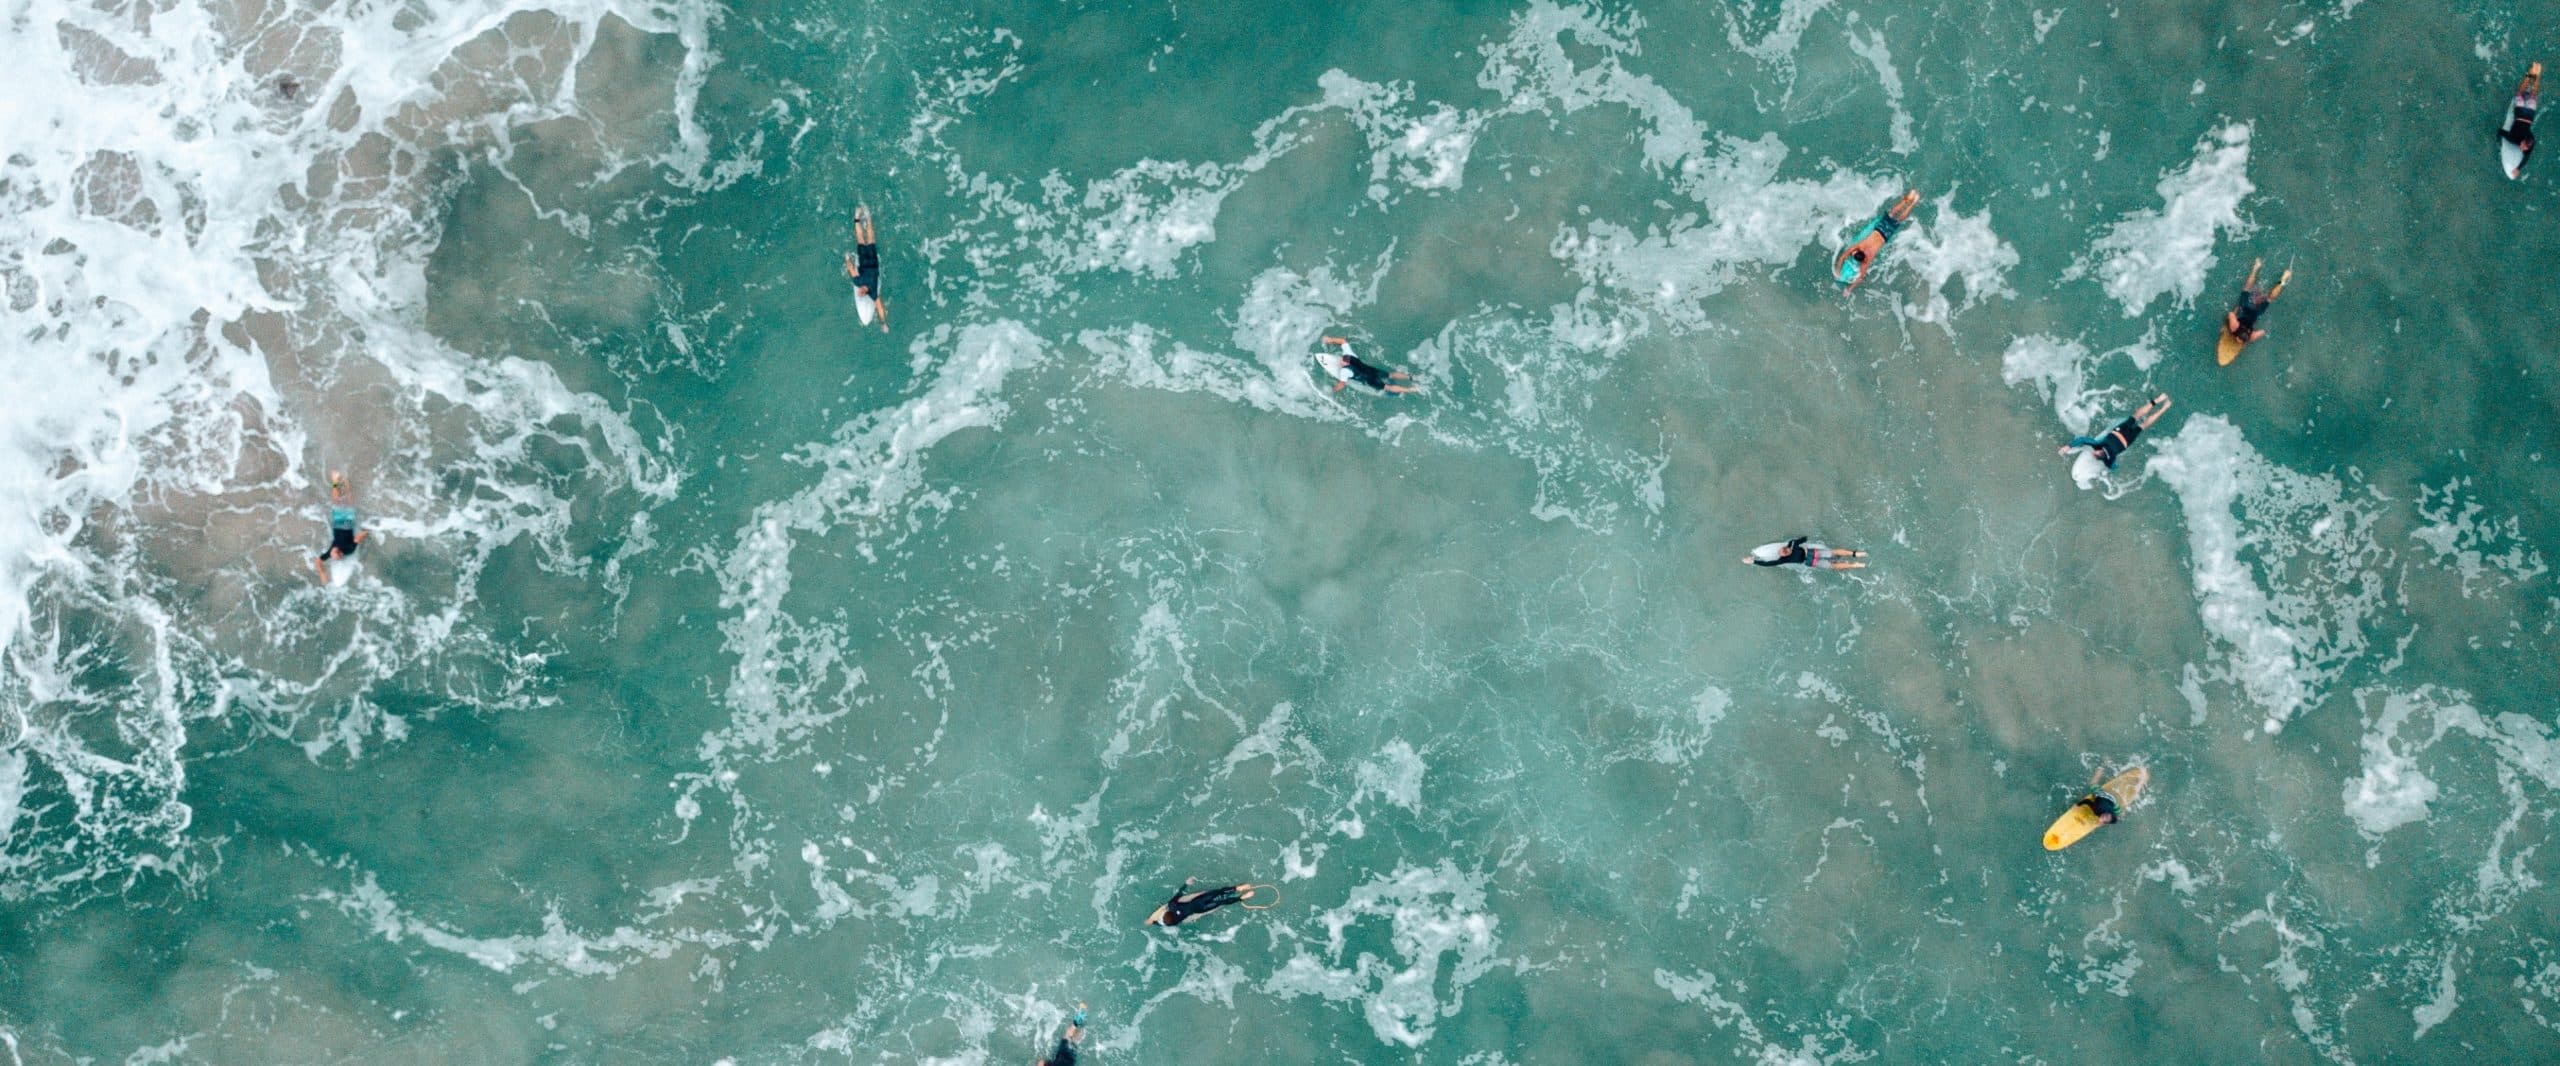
{"x": 1065, "y": 1055}
{"x": 1185, "y": 906}
{"x": 2241, "y": 322}
{"x": 2519, "y": 128}
{"x": 1851, "y": 266}
{"x": 863, "y": 266}
{"x": 1347, "y": 368}
{"x": 1813, "y": 556}
{"x": 2113, "y": 442}
{"x": 344, "y": 537}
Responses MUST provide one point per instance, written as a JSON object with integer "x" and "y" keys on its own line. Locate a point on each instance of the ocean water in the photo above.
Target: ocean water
{"x": 731, "y": 683}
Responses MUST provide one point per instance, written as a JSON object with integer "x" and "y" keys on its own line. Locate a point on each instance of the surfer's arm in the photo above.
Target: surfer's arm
{"x": 849, "y": 270}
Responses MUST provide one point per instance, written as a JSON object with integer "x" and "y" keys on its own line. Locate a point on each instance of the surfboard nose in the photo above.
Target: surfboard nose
{"x": 2053, "y": 842}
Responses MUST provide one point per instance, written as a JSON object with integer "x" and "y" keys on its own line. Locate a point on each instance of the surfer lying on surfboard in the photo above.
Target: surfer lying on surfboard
{"x": 1348, "y": 368}
{"x": 863, "y": 266}
{"x": 1851, "y": 266}
{"x": 344, "y": 537}
{"x": 2519, "y": 129}
{"x": 1814, "y": 556}
{"x": 2113, "y": 443}
{"x": 1185, "y": 906}
{"x": 2241, "y": 322}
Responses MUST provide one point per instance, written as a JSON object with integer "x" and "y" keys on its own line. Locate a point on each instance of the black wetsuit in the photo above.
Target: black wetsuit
{"x": 2251, "y": 305}
{"x": 2116, "y": 441}
{"x": 1364, "y": 373}
{"x": 866, "y": 269}
{"x": 342, "y": 534}
{"x": 2102, "y": 805}
{"x": 1793, "y": 552}
{"x": 1178, "y": 910}
{"x": 1064, "y": 1056}
{"x": 2520, "y": 131}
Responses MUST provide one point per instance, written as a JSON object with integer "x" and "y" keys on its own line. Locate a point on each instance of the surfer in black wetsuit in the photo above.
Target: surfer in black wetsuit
{"x": 1066, "y": 1053}
{"x": 2519, "y": 130}
{"x": 1348, "y": 368}
{"x": 1888, "y": 222}
{"x": 1815, "y": 556}
{"x": 1185, "y": 906}
{"x": 344, "y": 537}
{"x": 2102, "y": 805}
{"x": 2114, "y": 441}
{"x": 863, "y": 266}
{"x": 2242, "y": 320}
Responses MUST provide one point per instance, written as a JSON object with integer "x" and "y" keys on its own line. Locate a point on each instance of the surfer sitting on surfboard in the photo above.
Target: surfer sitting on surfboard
{"x": 2113, "y": 443}
{"x": 2241, "y": 322}
{"x": 1851, "y": 266}
{"x": 344, "y": 537}
{"x": 1348, "y": 368}
{"x": 1066, "y": 1053}
{"x": 1185, "y": 906}
{"x": 863, "y": 266}
{"x": 1814, "y": 556}
{"x": 2519, "y": 130}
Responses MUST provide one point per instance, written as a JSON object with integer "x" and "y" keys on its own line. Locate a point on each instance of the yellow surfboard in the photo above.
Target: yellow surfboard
{"x": 2228, "y": 350}
{"x": 2079, "y": 820}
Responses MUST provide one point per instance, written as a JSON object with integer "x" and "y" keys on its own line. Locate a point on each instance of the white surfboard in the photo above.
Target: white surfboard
{"x": 2510, "y": 156}
{"x": 862, "y": 308}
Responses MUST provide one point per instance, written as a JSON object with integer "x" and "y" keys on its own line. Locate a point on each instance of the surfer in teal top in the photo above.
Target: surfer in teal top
{"x": 1851, "y": 266}
{"x": 344, "y": 537}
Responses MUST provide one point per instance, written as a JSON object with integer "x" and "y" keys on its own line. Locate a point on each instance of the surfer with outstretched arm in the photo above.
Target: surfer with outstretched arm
{"x": 1185, "y": 906}
{"x": 1814, "y": 556}
{"x": 863, "y": 266}
{"x": 2241, "y": 322}
{"x": 1851, "y": 266}
{"x": 1066, "y": 1053}
{"x": 2113, "y": 442}
{"x": 2519, "y": 128}
{"x": 344, "y": 537}
{"x": 1347, "y": 368}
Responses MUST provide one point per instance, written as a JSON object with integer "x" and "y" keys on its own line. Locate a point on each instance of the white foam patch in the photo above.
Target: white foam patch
{"x": 2433, "y": 1012}
{"x": 1776, "y": 46}
{"x": 1394, "y": 776}
{"x": 1682, "y": 732}
{"x": 1793, "y": 1044}
{"x": 556, "y": 946}
{"x": 869, "y": 474}
{"x": 2294, "y": 620}
{"x": 1437, "y": 923}
{"x": 1954, "y": 248}
{"x": 2059, "y": 371}
{"x": 2169, "y": 252}
{"x": 2390, "y": 793}
{"x": 2486, "y": 551}
{"x": 1869, "y": 44}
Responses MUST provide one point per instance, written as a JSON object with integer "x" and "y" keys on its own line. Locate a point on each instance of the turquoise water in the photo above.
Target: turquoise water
{"x": 731, "y": 682}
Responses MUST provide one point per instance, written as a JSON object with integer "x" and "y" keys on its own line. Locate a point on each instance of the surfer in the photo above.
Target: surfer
{"x": 2241, "y": 322}
{"x": 2519, "y": 129}
{"x": 2113, "y": 443}
{"x": 1814, "y": 556}
{"x": 1185, "y": 906}
{"x": 1851, "y": 266}
{"x": 863, "y": 266}
{"x": 2101, "y": 805}
{"x": 1066, "y": 1053}
{"x": 1348, "y": 368}
{"x": 344, "y": 537}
